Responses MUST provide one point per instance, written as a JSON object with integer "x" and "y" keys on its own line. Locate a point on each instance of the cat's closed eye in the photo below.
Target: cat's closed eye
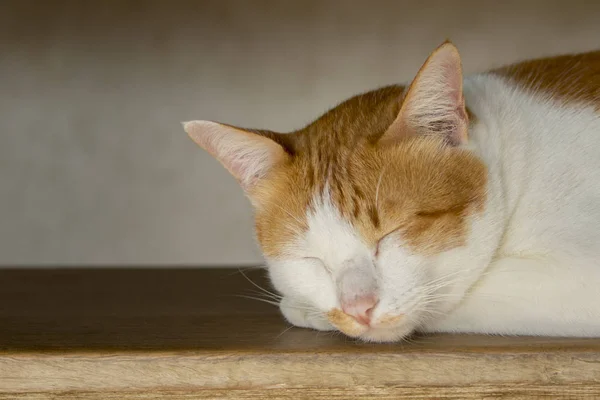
{"x": 381, "y": 239}
{"x": 317, "y": 261}
{"x": 439, "y": 212}
{"x": 423, "y": 216}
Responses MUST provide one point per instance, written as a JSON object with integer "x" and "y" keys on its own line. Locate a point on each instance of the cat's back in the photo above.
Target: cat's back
{"x": 542, "y": 117}
{"x": 571, "y": 79}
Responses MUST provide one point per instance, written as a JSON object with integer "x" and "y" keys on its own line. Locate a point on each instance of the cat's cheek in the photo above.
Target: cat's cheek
{"x": 295, "y": 314}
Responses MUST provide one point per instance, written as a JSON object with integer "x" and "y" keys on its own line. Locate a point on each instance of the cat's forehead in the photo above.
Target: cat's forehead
{"x": 416, "y": 184}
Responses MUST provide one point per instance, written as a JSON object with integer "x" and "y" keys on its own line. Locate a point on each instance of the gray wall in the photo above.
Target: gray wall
{"x": 94, "y": 166}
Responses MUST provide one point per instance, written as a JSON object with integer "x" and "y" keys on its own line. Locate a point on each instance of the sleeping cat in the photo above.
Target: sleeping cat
{"x": 449, "y": 205}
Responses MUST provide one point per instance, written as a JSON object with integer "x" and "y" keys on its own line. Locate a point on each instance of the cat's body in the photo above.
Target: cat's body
{"x": 543, "y": 212}
{"x": 403, "y": 209}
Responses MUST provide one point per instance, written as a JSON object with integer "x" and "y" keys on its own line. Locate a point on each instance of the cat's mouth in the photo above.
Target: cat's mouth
{"x": 387, "y": 328}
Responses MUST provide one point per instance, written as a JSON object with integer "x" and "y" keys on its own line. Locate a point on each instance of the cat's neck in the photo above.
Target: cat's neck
{"x": 497, "y": 136}
{"x": 488, "y": 228}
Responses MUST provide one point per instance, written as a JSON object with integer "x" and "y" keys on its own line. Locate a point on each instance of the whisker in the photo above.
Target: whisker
{"x": 284, "y": 331}
{"x": 377, "y": 187}
{"x": 256, "y": 285}
{"x": 274, "y": 303}
{"x": 250, "y": 268}
{"x": 288, "y": 213}
{"x": 316, "y": 314}
{"x": 269, "y": 296}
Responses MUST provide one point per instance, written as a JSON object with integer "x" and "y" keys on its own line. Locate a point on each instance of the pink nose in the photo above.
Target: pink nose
{"x": 361, "y": 308}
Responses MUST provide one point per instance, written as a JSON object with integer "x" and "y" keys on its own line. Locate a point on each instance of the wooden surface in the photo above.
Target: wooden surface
{"x": 183, "y": 334}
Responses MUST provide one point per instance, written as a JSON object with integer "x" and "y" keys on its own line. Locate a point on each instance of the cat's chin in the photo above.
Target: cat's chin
{"x": 385, "y": 335}
{"x": 385, "y": 329}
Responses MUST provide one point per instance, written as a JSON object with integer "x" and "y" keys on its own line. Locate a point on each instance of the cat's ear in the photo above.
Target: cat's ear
{"x": 248, "y": 156}
{"x": 434, "y": 102}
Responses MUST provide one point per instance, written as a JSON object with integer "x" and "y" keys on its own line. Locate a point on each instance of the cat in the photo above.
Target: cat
{"x": 452, "y": 204}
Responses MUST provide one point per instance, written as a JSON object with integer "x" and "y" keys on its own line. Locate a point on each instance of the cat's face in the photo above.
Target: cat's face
{"x": 356, "y": 242}
{"x": 353, "y": 211}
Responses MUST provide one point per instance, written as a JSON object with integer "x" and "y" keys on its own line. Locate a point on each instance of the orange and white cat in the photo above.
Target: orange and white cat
{"x": 452, "y": 205}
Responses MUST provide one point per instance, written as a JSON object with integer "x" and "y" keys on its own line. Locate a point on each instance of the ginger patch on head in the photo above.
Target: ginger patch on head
{"x": 419, "y": 188}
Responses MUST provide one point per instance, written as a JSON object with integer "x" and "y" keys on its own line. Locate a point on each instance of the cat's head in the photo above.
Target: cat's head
{"x": 353, "y": 210}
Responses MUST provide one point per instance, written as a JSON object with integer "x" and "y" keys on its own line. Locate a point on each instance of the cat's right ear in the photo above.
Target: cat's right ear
{"x": 248, "y": 156}
{"x": 434, "y": 103}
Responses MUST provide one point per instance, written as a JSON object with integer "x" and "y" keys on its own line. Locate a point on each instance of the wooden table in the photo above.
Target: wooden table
{"x": 184, "y": 334}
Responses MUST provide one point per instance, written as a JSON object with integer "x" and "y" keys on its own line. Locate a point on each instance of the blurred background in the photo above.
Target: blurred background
{"x": 95, "y": 168}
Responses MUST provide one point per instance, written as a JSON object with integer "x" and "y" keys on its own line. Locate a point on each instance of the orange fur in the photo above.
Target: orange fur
{"x": 351, "y": 327}
{"x": 324, "y": 147}
{"x": 413, "y": 184}
{"x": 569, "y": 78}
{"x": 345, "y": 323}
{"x": 425, "y": 192}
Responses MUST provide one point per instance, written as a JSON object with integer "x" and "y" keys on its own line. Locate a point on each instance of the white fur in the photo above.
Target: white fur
{"x": 545, "y": 169}
{"x": 309, "y": 274}
{"x": 531, "y": 264}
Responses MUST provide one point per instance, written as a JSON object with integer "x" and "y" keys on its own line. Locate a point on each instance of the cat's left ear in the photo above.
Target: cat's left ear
{"x": 247, "y": 155}
{"x": 434, "y": 102}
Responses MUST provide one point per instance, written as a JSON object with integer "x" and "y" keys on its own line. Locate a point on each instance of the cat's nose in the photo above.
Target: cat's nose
{"x": 361, "y": 308}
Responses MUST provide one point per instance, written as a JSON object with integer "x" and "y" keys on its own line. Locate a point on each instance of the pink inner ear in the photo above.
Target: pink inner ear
{"x": 434, "y": 103}
{"x": 251, "y": 165}
{"x": 454, "y": 78}
{"x": 246, "y": 155}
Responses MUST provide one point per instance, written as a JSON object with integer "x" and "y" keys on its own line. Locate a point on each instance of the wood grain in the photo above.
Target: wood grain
{"x": 184, "y": 333}
{"x": 355, "y": 392}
